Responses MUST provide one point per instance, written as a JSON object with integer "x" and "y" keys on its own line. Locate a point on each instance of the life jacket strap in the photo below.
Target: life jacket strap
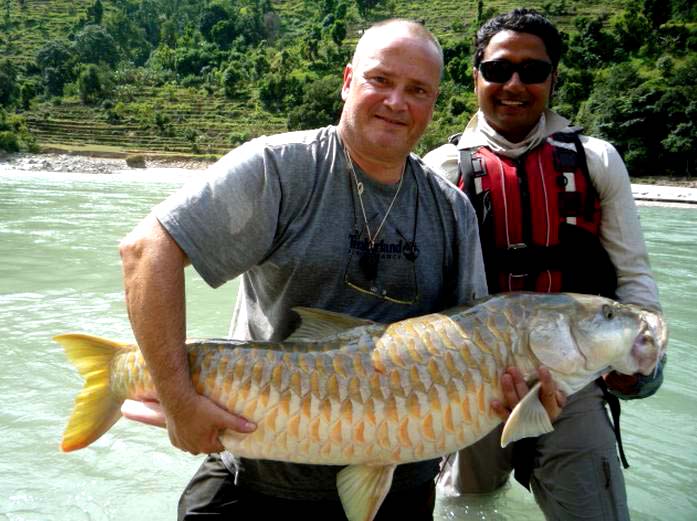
{"x": 614, "y": 403}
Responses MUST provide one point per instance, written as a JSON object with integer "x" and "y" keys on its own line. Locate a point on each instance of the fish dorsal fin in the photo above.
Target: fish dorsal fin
{"x": 529, "y": 418}
{"x": 316, "y": 324}
{"x": 553, "y": 343}
{"x": 362, "y": 489}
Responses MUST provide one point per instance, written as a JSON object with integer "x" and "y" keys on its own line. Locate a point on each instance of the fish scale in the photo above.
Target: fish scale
{"x": 346, "y": 391}
{"x": 417, "y": 435}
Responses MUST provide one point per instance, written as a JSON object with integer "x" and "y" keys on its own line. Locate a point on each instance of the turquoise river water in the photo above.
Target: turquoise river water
{"x": 60, "y": 272}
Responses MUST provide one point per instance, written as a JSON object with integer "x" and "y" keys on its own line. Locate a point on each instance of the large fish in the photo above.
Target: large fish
{"x": 345, "y": 391}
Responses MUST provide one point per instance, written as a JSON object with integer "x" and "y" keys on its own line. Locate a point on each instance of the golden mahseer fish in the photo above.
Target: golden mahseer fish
{"x": 347, "y": 391}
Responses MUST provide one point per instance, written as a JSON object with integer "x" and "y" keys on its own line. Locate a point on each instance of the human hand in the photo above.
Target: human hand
{"x": 623, "y": 383}
{"x": 148, "y": 412}
{"x": 194, "y": 428}
{"x": 515, "y": 388}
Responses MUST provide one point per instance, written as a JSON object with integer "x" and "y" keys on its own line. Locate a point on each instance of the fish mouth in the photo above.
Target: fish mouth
{"x": 651, "y": 343}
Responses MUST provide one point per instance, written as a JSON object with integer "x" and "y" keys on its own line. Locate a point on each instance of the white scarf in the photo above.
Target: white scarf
{"x": 479, "y": 133}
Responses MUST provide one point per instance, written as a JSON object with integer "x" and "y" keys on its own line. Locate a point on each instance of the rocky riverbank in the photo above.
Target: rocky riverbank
{"x": 652, "y": 191}
{"x": 89, "y": 165}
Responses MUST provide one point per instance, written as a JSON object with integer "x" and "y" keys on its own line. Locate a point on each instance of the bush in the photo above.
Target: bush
{"x": 8, "y": 141}
{"x": 231, "y": 79}
{"x": 14, "y": 135}
{"x": 237, "y": 138}
{"x": 93, "y": 85}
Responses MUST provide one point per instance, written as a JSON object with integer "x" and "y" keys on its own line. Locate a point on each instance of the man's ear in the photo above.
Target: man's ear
{"x": 555, "y": 76}
{"x": 348, "y": 77}
{"x": 475, "y": 75}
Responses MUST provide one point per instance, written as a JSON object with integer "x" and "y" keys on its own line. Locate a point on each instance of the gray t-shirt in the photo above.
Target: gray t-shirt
{"x": 283, "y": 212}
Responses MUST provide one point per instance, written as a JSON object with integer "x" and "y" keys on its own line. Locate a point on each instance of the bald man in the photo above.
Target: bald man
{"x": 340, "y": 218}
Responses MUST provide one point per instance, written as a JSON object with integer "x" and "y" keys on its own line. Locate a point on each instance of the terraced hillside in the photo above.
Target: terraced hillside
{"x": 447, "y": 18}
{"x": 184, "y": 122}
{"x": 173, "y": 119}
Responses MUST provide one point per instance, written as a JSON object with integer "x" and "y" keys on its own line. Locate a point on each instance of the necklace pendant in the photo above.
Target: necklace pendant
{"x": 369, "y": 263}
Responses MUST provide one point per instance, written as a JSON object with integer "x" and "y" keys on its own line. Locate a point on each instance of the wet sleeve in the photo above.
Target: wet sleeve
{"x": 444, "y": 161}
{"x": 470, "y": 262}
{"x": 620, "y": 229}
{"x": 226, "y": 222}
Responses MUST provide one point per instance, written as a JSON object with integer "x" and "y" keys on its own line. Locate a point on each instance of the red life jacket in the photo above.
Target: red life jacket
{"x": 539, "y": 218}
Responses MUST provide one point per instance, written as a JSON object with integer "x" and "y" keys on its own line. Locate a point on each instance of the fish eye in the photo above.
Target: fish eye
{"x": 608, "y": 312}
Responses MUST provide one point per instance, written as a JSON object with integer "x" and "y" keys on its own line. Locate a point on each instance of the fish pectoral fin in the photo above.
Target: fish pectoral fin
{"x": 316, "y": 324}
{"x": 529, "y": 418}
{"x": 362, "y": 489}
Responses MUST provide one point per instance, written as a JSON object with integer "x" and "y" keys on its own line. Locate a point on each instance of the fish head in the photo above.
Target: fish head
{"x": 581, "y": 337}
{"x": 649, "y": 345}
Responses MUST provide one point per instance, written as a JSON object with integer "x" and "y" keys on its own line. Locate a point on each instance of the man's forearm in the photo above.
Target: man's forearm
{"x": 153, "y": 270}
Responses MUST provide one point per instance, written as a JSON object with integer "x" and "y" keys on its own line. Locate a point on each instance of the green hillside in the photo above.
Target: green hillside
{"x": 198, "y": 77}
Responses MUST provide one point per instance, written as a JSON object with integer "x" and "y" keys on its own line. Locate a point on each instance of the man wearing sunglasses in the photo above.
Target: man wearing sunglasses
{"x": 556, "y": 213}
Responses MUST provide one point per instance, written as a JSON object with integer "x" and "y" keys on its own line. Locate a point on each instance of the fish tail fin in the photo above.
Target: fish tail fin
{"x": 97, "y": 408}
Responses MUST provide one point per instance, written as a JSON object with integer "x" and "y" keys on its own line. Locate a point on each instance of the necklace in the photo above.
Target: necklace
{"x": 369, "y": 260}
{"x": 359, "y": 188}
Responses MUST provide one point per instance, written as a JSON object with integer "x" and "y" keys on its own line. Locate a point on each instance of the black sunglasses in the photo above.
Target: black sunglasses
{"x": 529, "y": 71}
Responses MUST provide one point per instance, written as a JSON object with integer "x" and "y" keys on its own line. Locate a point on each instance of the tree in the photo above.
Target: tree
{"x": 648, "y": 118}
{"x": 657, "y": 12}
{"x": 630, "y": 28}
{"x": 572, "y": 88}
{"x": 8, "y": 83}
{"x": 129, "y": 37}
{"x": 223, "y": 33}
{"x": 57, "y": 62}
{"x": 592, "y": 45}
{"x": 95, "y": 12}
{"x": 338, "y": 31}
{"x": 95, "y": 45}
{"x": 232, "y": 76}
{"x": 27, "y": 92}
{"x": 190, "y": 61}
{"x": 148, "y": 17}
{"x": 364, "y": 6}
{"x": 277, "y": 91}
{"x": 92, "y": 84}
{"x": 321, "y": 105}
{"x": 211, "y": 15}
{"x": 250, "y": 23}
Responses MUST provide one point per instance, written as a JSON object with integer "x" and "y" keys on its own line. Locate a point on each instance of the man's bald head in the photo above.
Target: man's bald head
{"x": 395, "y": 27}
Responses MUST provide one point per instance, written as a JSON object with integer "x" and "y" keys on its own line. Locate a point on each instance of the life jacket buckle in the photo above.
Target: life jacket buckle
{"x": 518, "y": 259}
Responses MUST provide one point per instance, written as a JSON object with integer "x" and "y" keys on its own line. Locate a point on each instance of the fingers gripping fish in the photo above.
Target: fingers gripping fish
{"x": 345, "y": 391}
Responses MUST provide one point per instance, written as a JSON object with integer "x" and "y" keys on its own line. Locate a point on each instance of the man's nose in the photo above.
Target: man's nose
{"x": 514, "y": 82}
{"x": 396, "y": 99}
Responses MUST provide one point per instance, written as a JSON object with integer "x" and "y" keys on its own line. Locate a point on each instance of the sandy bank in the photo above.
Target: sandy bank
{"x": 663, "y": 194}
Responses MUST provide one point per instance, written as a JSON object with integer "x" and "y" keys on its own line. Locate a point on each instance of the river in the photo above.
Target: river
{"x": 60, "y": 272}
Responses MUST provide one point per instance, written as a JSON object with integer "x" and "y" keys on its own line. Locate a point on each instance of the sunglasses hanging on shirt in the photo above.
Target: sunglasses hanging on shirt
{"x": 529, "y": 71}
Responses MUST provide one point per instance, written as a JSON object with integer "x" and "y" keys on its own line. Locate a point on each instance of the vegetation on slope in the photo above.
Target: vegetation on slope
{"x": 199, "y": 77}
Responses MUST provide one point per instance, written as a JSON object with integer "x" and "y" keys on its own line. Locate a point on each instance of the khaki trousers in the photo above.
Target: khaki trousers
{"x": 576, "y": 475}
